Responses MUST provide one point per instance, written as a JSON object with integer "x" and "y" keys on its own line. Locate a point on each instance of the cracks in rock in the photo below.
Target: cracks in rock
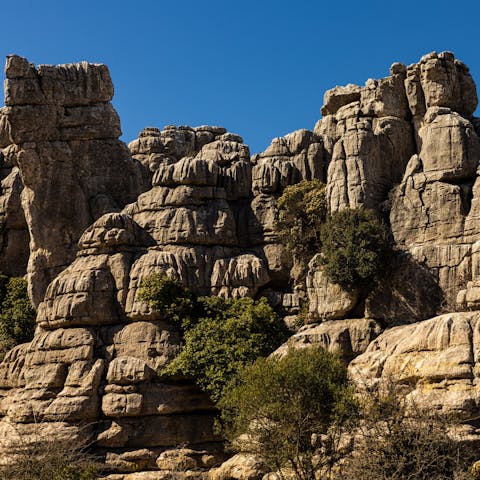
{"x": 466, "y": 196}
{"x": 466, "y": 192}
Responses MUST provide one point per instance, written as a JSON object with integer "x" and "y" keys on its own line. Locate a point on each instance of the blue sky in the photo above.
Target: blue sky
{"x": 258, "y": 68}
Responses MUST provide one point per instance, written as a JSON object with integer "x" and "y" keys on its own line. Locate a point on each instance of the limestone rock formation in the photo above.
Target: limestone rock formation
{"x": 367, "y": 133}
{"x": 288, "y": 160}
{"x": 436, "y": 361}
{"x": 90, "y": 362}
{"x": 192, "y": 203}
{"x": 197, "y": 215}
{"x": 414, "y": 128}
{"x": 346, "y": 338}
{"x": 59, "y": 127}
{"x": 154, "y": 146}
{"x": 14, "y": 238}
{"x": 239, "y": 467}
{"x": 435, "y": 206}
{"x": 327, "y": 300}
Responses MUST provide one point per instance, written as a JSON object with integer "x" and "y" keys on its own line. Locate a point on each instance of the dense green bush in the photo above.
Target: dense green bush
{"x": 353, "y": 242}
{"x": 302, "y": 211}
{"x": 220, "y": 336}
{"x": 354, "y": 248}
{"x": 167, "y": 296}
{"x": 17, "y": 315}
{"x": 283, "y": 404}
{"x": 228, "y": 335}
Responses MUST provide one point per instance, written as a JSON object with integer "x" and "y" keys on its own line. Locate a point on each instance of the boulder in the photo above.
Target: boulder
{"x": 435, "y": 361}
{"x": 346, "y": 338}
{"x": 326, "y": 300}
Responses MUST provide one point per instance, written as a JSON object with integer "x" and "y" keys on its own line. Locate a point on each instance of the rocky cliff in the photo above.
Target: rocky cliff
{"x": 86, "y": 219}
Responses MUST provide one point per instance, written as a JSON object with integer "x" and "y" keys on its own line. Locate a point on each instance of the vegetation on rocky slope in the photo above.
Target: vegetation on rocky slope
{"x": 283, "y": 404}
{"x": 302, "y": 211}
{"x": 396, "y": 441}
{"x": 17, "y": 315}
{"x": 51, "y": 459}
{"x": 354, "y": 248}
{"x": 221, "y": 336}
{"x": 353, "y": 242}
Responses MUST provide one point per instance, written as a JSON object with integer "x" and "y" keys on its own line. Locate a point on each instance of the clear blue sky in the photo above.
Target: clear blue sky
{"x": 258, "y": 68}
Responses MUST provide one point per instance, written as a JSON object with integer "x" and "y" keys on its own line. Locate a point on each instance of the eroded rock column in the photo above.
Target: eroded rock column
{"x": 60, "y": 129}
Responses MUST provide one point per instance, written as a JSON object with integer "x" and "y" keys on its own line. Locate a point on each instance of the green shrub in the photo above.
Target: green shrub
{"x": 302, "y": 211}
{"x": 167, "y": 296}
{"x": 17, "y": 315}
{"x": 220, "y": 335}
{"x": 228, "y": 335}
{"x": 354, "y": 248}
{"x": 282, "y": 404}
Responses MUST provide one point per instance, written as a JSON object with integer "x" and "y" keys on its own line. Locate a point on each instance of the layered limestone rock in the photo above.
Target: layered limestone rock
{"x": 434, "y": 209}
{"x": 197, "y": 216}
{"x": 346, "y": 338}
{"x": 190, "y": 202}
{"x": 209, "y": 203}
{"x": 59, "y": 127}
{"x": 92, "y": 363}
{"x": 435, "y": 361}
{"x": 14, "y": 238}
{"x": 368, "y": 135}
{"x": 154, "y": 147}
{"x": 298, "y": 156}
{"x": 414, "y": 128}
{"x": 327, "y": 301}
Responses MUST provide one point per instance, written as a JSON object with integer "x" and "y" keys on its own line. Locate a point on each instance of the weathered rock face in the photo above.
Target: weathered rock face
{"x": 435, "y": 360}
{"x": 14, "y": 238}
{"x": 367, "y": 132}
{"x": 61, "y": 130}
{"x": 414, "y": 128}
{"x": 326, "y": 301}
{"x": 209, "y": 203}
{"x": 197, "y": 213}
{"x": 154, "y": 147}
{"x": 346, "y": 338}
{"x": 288, "y": 160}
{"x": 92, "y": 362}
{"x": 434, "y": 209}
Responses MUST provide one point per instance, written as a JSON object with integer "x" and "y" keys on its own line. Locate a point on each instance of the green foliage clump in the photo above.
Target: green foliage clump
{"x": 354, "y": 248}
{"x": 283, "y": 403}
{"x": 17, "y": 315}
{"x": 302, "y": 211}
{"x": 220, "y": 335}
{"x": 228, "y": 335}
{"x": 167, "y": 296}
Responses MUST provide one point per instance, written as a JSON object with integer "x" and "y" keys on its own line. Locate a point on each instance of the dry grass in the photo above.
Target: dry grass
{"x": 49, "y": 459}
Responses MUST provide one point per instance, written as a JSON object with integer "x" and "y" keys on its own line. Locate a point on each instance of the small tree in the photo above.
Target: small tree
{"x": 354, "y": 248}
{"x": 302, "y": 210}
{"x": 167, "y": 296}
{"x": 17, "y": 315}
{"x": 282, "y": 404}
{"x": 229, "y": 335}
